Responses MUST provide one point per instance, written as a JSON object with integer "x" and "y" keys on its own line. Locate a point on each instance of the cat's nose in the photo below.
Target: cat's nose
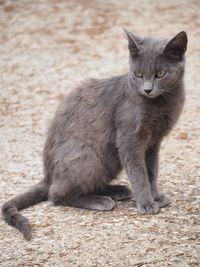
{"x": 148, "y": 91}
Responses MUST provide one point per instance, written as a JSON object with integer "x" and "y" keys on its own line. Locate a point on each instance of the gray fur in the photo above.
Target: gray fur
{"x": 106, "y": 125}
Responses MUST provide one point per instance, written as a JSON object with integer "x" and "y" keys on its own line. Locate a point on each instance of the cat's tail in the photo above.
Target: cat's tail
{"x": 10, "y": 209}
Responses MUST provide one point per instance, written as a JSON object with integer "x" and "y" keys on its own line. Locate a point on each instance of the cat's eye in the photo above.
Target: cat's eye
{"x": 160, "y": 74}
{"x": 138, "y": 73}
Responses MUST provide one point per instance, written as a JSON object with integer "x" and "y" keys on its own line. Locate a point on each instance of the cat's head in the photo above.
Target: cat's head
{"x": 156, "y": 65}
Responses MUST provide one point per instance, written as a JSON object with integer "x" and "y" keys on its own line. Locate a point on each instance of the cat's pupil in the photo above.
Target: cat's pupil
{"x": 160, "y": 74}
{"x": 138, "y": 74}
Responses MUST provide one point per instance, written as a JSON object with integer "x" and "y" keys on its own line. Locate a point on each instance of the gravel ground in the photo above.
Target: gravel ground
{"x": 47, "y": 48}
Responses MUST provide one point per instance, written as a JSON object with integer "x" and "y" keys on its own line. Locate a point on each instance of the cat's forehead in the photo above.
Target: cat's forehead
{"x": 149, "y": 57}
{"x": 153, "y": 46}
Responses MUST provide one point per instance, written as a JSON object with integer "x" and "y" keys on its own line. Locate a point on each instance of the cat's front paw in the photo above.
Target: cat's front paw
{"x": 149, "y": 208}
{"x": 162, "y": 200}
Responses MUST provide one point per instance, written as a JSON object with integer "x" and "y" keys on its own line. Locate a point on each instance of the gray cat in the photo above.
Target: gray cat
{"x": 108, "y": 125}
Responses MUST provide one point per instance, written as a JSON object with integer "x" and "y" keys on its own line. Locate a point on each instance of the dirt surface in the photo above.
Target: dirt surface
{"x": 47, "y": 48}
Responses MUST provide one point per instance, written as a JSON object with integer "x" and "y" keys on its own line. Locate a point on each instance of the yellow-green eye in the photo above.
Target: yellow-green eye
{"x": 160, "y": 74}
{"x": 138, "y": 73}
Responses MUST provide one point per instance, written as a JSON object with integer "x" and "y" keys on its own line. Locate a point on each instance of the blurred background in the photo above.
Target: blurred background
{"x": 46, "y": 48}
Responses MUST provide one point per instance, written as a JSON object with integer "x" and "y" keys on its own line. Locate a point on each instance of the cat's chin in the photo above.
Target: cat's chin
{"x": 151, "y": 95}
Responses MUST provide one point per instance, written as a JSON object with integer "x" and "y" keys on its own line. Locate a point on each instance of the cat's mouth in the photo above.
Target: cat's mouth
{"x": 151, "y": 93}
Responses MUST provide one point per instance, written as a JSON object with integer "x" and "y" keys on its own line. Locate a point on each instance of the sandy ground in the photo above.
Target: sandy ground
{"x": 46, "y": 48}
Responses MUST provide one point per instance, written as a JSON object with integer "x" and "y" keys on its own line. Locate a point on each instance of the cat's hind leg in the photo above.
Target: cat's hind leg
{"x": 93, "y": 202}
{"x": 90, "y": 201}
{"x": 78, "y": 178}
{"x": 117, "y": 192}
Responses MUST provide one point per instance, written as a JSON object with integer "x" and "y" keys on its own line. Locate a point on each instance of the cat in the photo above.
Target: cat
{"x": 107, "y": 125}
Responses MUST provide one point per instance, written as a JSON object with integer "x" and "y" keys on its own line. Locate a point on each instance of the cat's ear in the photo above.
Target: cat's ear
{"x": 133, "y": 41}
{"x": 177, "y": 46}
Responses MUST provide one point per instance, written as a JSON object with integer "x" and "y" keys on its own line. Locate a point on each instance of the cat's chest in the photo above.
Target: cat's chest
{"x": 156, "y": 124}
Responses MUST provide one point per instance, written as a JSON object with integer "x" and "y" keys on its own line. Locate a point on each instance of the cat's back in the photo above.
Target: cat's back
{"x": 83, "y": 99}
{"x": 87, "y": 111}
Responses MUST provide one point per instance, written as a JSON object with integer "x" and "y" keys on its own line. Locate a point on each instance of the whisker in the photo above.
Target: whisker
{"x": 171, "y": 93}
